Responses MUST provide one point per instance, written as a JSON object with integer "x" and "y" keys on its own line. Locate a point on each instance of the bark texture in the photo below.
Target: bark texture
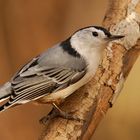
{"x": 91, "y": 102}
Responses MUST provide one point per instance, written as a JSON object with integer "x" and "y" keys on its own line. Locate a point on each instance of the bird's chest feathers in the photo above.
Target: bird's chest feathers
{"x": 93, "y": 58}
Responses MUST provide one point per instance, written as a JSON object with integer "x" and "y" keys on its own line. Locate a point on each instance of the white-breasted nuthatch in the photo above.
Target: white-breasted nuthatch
{"x": 59, "y": 71}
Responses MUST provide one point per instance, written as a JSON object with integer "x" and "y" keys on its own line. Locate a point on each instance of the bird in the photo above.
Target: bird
{"x": 59, "y": 71}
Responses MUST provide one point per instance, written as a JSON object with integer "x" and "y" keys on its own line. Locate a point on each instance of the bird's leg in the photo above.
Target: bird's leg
{"x": 64, "y": 114}
{"x": 57, "y": 112}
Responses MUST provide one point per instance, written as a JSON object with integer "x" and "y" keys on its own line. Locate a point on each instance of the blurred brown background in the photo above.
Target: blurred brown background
{"x": 28, "y": 27}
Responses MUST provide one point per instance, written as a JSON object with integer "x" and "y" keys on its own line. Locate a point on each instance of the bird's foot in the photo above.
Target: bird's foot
{"x": 56, "y": 112}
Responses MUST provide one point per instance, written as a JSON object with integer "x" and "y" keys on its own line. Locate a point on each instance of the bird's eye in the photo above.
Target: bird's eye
{"x": 94, "y": 33}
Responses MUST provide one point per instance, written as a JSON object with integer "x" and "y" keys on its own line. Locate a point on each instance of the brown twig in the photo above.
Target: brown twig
{"x": 92, "y": 101}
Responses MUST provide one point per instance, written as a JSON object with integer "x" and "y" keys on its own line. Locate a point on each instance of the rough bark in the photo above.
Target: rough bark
{"x": 92, "y": 101}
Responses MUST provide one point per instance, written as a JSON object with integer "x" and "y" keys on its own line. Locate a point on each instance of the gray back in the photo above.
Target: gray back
{"x": 61, "y": 58}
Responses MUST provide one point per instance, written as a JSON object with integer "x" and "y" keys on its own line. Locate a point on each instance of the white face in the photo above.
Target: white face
{"x": 89, "y": 37}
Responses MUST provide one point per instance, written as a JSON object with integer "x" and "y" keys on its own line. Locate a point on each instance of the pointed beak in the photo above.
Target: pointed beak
{"x": 115, "y": 37}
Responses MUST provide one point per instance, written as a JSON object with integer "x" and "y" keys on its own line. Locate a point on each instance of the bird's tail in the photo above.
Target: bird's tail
{"x": 5, "y": 92}
{"x": 4, "y": 106}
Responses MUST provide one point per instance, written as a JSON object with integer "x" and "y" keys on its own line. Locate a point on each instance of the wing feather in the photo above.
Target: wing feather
{"x": 35, "y": 91}
{"x": 36, "y": 82}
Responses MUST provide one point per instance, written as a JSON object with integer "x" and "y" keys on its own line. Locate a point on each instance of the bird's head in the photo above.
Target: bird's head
{"x": 92, "y": 37}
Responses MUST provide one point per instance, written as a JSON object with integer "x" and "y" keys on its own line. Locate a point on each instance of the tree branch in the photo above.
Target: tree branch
{"x": 92, "y": 101}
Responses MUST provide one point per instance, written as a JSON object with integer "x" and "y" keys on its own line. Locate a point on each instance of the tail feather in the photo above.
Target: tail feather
{"x": 4, "y": 107}
{"x": 5, "y": 91}
{"x": 8, "y": 105}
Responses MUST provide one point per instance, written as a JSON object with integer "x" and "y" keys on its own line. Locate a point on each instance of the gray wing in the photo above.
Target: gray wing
{"x": 45, "y": 74}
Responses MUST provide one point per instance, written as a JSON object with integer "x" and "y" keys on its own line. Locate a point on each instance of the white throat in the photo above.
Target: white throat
{"x": 92, "y": 54}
